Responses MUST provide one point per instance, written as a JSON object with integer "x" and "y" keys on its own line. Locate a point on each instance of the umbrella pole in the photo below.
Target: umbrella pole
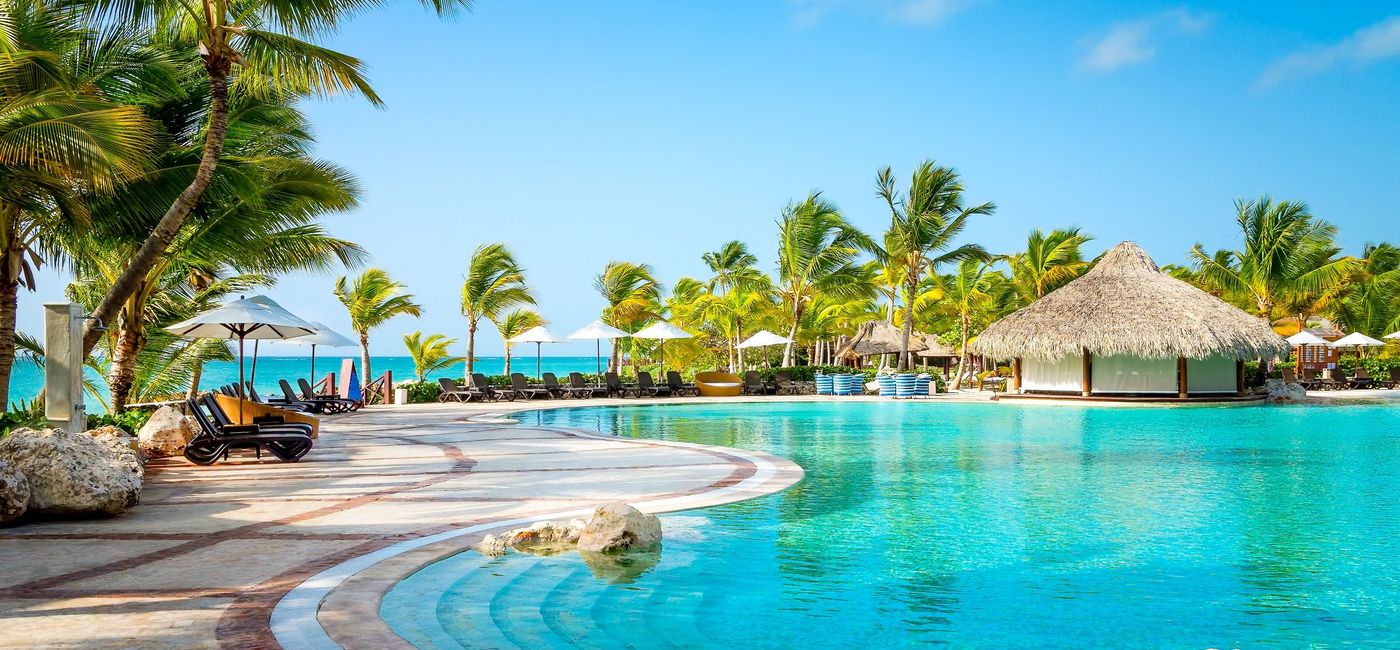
{"x": 253, "y": 375}
{"x": 538, "y": 375}
{"x": 313, "y": 366}
{"x": 240, "y": 379}
{"x": 598, "y": 350}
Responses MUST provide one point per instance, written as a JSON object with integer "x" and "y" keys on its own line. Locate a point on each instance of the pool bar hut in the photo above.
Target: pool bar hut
{"x": 1126, "y": 330}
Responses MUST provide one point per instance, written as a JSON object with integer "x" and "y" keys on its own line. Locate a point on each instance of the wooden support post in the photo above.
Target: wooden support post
{"x": 1088, "y": 374}
{"x": 1239, "y": 377}
{"x": 1182, "y": 390}
{"x": 1016, "y": 374}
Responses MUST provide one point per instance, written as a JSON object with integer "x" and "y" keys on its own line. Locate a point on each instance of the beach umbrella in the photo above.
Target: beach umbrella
{"x": 1396, "y": 335}
{"x": 763, "y": 339}
{"x": 598, "y": 330}
{"x": 1356, "y": 340}
{"x": 662, "y": 331}
{"x": 1305, "y": 338}
{"x": 254, "y": 318}
{"x": 323, "y": 336}
{"x": 539, "y": 336}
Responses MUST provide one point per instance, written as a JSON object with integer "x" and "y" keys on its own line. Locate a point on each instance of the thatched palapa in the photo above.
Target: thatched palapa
{"x": 1126, "y": 327}
{"x": 879, "y": 337}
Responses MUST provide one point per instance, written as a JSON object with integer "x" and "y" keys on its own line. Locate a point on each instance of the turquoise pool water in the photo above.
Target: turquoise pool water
{"x": 975, "y": 525}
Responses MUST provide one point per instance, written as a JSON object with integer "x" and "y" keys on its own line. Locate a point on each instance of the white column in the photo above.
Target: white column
{"x": 63, "y": 366}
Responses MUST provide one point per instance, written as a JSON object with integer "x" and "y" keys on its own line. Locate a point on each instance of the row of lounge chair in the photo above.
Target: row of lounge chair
{"x": 1313, "y": 379}
{"x": 218, "y": 434}
{"x": 307, "y": 401}
{"x": 481, "y": 389}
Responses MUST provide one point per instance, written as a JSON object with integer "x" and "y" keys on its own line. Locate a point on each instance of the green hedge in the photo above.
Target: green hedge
{"x": 130, "y": 420}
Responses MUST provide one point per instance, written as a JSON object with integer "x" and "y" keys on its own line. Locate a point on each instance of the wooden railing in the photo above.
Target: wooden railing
{"x": 380, "y": 390}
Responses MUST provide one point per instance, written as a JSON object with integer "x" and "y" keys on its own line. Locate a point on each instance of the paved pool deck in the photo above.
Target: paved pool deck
{"x": 210, "y": 551}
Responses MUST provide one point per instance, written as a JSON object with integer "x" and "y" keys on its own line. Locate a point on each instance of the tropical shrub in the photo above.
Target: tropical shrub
{"x": 130, "y": 420}
{"x": 422, "y": 392}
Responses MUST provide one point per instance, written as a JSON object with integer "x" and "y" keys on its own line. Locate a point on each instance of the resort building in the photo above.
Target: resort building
{"x": 1127, "y": 329}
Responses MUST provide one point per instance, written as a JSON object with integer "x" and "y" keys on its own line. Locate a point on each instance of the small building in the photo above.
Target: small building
{"x": 1126, "y": 329}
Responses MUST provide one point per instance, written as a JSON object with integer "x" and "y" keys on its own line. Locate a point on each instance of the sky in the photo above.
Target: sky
{"x": 583, "y": 132}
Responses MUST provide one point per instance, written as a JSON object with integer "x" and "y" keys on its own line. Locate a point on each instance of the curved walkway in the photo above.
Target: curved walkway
{"x": 209, "y": 553}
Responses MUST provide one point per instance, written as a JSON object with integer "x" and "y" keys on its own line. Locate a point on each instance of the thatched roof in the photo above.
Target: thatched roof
{"x": 936, "y": 348}
{"x": 1126, "y": 305}
{"x": 879, "y": 337}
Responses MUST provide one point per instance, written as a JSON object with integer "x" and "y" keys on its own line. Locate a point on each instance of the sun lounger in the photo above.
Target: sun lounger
{"x": 754, "y": 384}
{"x": 291, "y": 399}
{"x": 490, "y": 392}
{"x": 580, "y": 388}
{"x": 218, "y": 435}
{"x": 1394, "y": 378}
{"x": 782, "y": 384}
{"x": 450, "y": 392}
{"x": 678, "y": 386}
{"x": 613, "y": 385}
{"x": 298, "y": 406}
{"x": 522, "y": 388}
{"x": 1362, "y": 379}
{"x": 331, "y": 404}
{"x": 647, "y": 388}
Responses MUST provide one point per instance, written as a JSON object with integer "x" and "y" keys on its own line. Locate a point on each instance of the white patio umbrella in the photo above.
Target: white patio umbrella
{"x": 255, "y": 318}
{"x": 1305, "y": 338}
{"x": 662, "y": 331}
{"x": 539, "y": 336}
{"x": 598, "y": 330}
{"x": 1396, "y": 335}
{"x": 1356, "y": 340}
{"x": 323, "y": 336}
{"x": 763, "y": 339}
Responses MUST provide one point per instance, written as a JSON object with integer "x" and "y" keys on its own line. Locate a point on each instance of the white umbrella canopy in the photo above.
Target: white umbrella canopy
{"x": 1356, "y": 339}
{"x": 323, "y": 336}
{"x": 1396, "y": 335}
{"x": 764, "y": 338}
{"x": 258, "y": 317}
{"x": 1306, "y": 338}
{"x": 598, "y": 330}
{"x": 537, "y": 335}
{"x": 663, "y": 331}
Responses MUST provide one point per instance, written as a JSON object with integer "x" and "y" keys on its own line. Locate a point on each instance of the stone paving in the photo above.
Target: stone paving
{"x": 209, "y": 552}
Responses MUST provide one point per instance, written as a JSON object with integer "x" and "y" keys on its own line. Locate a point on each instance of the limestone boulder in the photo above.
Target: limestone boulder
{"x": 618, "y": 527}
{"x": 166, "y": 433}
{"x": 14, "y": 493}
{"x": 120, "y": 443}
{"x": 545, "y": 534}
{"x": 1282, "y": 392}
{"x": 75, "y": 474}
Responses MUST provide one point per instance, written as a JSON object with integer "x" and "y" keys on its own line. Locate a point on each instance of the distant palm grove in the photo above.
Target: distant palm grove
{"x": 159, "y": 155}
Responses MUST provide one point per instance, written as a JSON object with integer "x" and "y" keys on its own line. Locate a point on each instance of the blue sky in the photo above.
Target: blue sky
{"x": 581, "y": 132}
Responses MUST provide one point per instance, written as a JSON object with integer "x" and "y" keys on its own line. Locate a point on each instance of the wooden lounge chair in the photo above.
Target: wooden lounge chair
{"x": 1361, "y": 380}
{"x": 288, "y": 441}
{"x": 783, "y": 385}
{"x": 678, "y": 386}
{"x": 333, "y": 404}
{"x": 551, "y": 384}
{"x": 450, "y": 392}
{"x": 522, "y": 388}
{"x": 1311, "y": 380}
{"x": 754, "y": 384}
{"x": 490, "y": 392}
{"x": 1394, "y": 379}
{"x": 580, "y": 388}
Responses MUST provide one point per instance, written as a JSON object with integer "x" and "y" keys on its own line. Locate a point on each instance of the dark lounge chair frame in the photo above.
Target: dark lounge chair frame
{"x": 450, "y": 391}
{"x": 217, "y": 436}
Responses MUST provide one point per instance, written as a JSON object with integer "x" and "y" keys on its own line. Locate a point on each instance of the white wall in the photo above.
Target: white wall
{"x": 1058, "y": 375}
{"x": 1128, "y": 374}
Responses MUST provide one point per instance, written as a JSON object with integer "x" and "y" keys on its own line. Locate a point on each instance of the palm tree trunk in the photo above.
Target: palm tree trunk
{"x": 962, "y": 359}
{"x": 471, "y": 351}
{"x": 195, "y": 376}
{"x": 906, "y": 360}
{"x": 792, "y": 338}
{"x": 122, "y": 376}
{"x": 217, "y": 65}
{"x": 364, "y": 358}
{"x": 9, "y": 306}
{"x": 507, "y": 373}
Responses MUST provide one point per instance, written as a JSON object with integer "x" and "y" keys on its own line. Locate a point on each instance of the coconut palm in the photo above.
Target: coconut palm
{"x": 495, "y": 283}
{"x": 817, "y": 249}
{"x": 971, "y": 288}
{"x": 429, "y": 354}
{"x": 633, "y": 296}
{"x": 732, "y": 266}
{"x": 257, "y": 48}
{"x": 1285, "y": 250}
{"x": 514, "y": 323}
{"x": 1369, "y": 302}
{"x": 1048, "y": 262}
{"x": 62, "y": 127}
{"x": 372, "y": 300}
{"x": 923, "y": 226}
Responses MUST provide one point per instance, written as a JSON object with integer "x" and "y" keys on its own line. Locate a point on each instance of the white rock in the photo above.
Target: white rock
{"x": 544, "y": 534}
{"x": 1280, "y": 391}
{"x": 74, "y": 474}
{"x": 166, "y": 433}
{"x": 618, "y": 526}
{"x": 492, "y": 545}
{"x": 120, "y": 443}
{"x": 14, "y": 493}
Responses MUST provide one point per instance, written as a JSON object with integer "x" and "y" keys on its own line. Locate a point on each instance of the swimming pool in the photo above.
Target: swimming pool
{"x": 974, "y": 525}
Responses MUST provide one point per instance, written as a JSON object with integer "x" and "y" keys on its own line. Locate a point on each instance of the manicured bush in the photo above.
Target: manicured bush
{"x": 422, "y": 392}
{"x": 130, "y": 420}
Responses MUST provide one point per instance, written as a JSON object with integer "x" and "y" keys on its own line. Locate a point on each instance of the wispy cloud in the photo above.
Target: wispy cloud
{"x": 922, "y": 13}
{"x": 1135, "y": 41}
{"x": 1366, "y": 45}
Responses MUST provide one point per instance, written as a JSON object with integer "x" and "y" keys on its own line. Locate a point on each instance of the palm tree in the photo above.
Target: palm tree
{"x": 1049, "y": 261}
{"x": 633, "y": 296}
{"x": 372, "y": 300}
{"x": 495, "y": 283}
{"x": 261, "y": 48}
{"x": 62, "y": 128}
{"x": 816, "y": 251}
{"x": 923, "y": 225}
{"x": 969, "y": 288}
{"x": 1369, "y": 302}
{"x": 514, "y": 323}
{"x": 429, "y": 354}
{"x": 732, "y": 266}
{"x": 1285, "y": 250}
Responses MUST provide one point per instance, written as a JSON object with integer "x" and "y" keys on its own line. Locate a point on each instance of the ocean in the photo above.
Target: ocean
{"x": 26, "y": 380}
